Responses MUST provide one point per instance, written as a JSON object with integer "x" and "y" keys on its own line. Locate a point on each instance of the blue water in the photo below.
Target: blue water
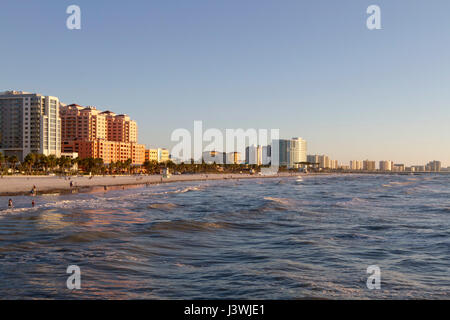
{"x": 276, "y": 238}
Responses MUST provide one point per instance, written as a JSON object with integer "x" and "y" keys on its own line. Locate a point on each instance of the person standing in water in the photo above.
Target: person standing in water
{"x": 10, "y": 204}
{"x": 32, "y": 203}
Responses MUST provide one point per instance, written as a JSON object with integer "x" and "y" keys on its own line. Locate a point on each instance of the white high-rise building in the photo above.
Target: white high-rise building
{"x": 324, "y": 162}
{"x": 356, "y": 165}
{"x": 291, "y": 152}
{"x": 29, "y": 123}
{"x": 297, "y": 151}
{"x": 386, "y": 165}
{"x": 254, "y": 155}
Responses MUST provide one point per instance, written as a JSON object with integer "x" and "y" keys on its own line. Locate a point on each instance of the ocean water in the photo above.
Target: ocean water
{"x": 281, "y": 238}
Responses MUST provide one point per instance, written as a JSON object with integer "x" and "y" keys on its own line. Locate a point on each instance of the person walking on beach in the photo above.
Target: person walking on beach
{"x": 10, "y": 204}
{"x": 33, "y": 191}
{"x": 71, "y": 184}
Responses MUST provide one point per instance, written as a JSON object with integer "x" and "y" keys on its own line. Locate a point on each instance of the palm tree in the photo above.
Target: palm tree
{"x": 111, "y": 167}
{"x": 98, "y": 165}
{"x": 151, "y": 166}
{"x": 29, "y": 161}
{"x": 43, "y": 162}
{"x": 12, "y": 161}
{"x": 128, "y": 165}
{"x": 64, "y": 162}
{"x": 52, "y": 161}
{"x": 2, "y": 159}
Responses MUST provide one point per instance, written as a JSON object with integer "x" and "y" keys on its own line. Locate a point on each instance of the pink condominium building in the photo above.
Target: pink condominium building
{"x": 93, "y": 133}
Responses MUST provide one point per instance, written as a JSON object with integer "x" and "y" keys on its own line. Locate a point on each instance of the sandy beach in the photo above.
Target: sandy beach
{"x": 22, "y": 185}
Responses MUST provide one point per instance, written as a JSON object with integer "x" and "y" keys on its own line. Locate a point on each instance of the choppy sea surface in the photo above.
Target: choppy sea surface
{"x": 281, "y": 238}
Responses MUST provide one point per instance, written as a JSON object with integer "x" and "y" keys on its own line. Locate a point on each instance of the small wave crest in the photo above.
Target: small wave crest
{"x": 188, "y": 226}
{"x": 162, "y": 206}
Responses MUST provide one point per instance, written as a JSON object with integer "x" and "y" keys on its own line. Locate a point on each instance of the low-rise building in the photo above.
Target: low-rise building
{"x": 398, "y": 167}
{"x": 159, "y": 155}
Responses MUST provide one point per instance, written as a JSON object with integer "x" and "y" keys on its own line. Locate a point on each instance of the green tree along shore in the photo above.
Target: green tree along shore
{"x": 39, "y": 164}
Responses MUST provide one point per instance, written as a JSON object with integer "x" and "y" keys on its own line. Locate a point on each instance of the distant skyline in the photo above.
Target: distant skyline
{"x": 310, "y": 68}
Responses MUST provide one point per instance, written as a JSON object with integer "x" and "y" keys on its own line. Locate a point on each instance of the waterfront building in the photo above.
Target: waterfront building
{"x": 434, "y": 166}
{"x": 159, "y": 155}
{"x": 419, "y": 168}
{"x": 151, "y": 155}
{"x": 163, "y": 155}
{"x": 213, "y": 156}
{"x": 385, "y": 165}
{"x": 232, "y": 158}
{"x": 266, "y": 154}
{"x": 356, "y": 165}
{"x": 96, "y": 134}
{"x": 334, "y": 164}
{"x": 313, "y": 159}
{"x": 291, "y": 153}
{"x": 398, "y": 167}
{"x": 324, "y": 162}
{"x": 29, "y": 123}
{"x": 254, "y": 155}
{"x": 120, "y": 127}
{"x": 368, "y": 165}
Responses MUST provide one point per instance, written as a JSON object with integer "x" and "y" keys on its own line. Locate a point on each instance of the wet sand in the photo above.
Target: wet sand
{"x": 22, "y": 185}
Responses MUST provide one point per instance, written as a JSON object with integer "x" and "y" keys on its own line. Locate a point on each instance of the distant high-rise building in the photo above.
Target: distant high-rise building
{"x": 334, "y": 164}
{"x": 368, "y": 165}
{"x": 213, "y": 156}
{"x": 324, "y": 162}
{"x": 254, "y": 155}
{"x": 313, "y": 158}
{"x": 434, "y": 166}
{"x": 232, "y": 157}
{"x": 291, "y": 152}
{"x": 356, "y": 165}
{"x": 29, "y": 123}
{"x": 266, "y": 154}
{"x": 419, "y": 168}
{"x": 385, "y": 165}
{"x": 398, "y": 167}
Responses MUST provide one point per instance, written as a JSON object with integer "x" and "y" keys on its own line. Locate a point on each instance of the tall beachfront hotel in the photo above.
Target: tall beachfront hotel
{"x": 291, "y": 152}
{"x": 33, "y": 123}
{"x": 92, "y": 133}
{"x": 29, "y": 123}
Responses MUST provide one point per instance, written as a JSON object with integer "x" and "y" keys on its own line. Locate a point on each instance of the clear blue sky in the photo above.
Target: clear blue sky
{"x": 310, "y": 68}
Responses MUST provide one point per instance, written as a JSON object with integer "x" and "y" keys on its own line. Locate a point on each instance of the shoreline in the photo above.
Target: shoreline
{"x": 22, "y": 185}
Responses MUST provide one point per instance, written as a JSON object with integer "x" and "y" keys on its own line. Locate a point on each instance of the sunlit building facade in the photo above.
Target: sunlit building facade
{"x": 96, "y": 134}
{"x": 29, "y": 123}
